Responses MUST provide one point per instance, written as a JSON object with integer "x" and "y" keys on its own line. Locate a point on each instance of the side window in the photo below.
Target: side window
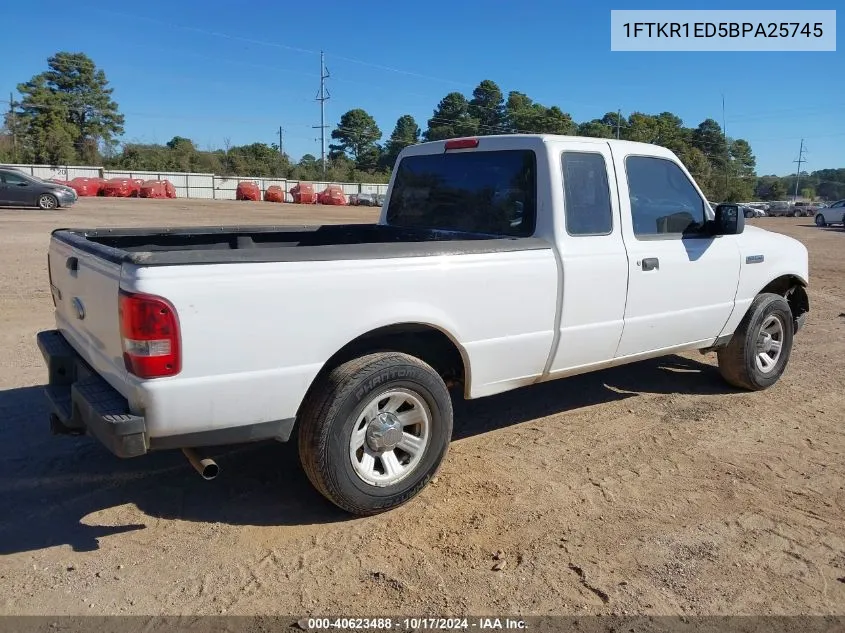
{"x": 586, "y": 194}
{"x": 663, "y": 200}
{"x": 14, "y": 179}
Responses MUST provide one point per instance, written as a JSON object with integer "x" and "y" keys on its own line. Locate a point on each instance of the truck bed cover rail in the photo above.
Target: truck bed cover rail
{"x": 232, "y": 244}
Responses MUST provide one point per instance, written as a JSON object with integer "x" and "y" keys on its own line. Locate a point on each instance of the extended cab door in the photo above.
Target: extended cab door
{"x": 682, "y": 282}
{"x": 592, "y": 253}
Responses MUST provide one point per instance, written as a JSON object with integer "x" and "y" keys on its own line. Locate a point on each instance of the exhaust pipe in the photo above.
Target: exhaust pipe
{"x": 206, "y": 467}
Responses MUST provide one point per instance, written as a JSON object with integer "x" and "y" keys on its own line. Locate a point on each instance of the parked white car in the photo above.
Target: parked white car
{"x": 831, "y": 214}
{"x": 497, "y": 263}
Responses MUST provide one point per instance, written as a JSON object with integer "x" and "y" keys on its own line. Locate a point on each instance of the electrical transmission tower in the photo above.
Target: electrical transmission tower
{"x": 798, "y": 172}
{"x": 322, "y": 97}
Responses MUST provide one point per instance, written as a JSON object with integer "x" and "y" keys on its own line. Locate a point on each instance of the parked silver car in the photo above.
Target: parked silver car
{"x": 18, "y": 189}
{"x": 834, "y": 213}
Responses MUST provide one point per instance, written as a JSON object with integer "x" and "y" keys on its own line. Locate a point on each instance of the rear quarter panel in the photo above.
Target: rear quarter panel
{"x": 254, "y": 336}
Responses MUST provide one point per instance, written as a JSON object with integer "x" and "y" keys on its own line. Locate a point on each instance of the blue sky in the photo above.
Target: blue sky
{"x": 212, "y": 70}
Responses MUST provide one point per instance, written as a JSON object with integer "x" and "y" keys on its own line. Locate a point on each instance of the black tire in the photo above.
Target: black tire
{"x": 47, "y": 201}
{"x": 820, "y": 221}
{"x": 738, "y": 360}
{"x": 334, "y": 406}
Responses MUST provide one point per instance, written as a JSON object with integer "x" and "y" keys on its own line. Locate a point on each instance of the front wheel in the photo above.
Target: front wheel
{"x": 757, "y": 354}
{"x": 820, "y": 221}
{"x": 374, "y": 431}
{"x": 47, "y": 201}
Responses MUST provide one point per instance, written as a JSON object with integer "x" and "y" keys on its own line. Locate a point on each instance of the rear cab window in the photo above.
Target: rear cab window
{"x": 490, "y": 192}
{"x": 586, "y": 194}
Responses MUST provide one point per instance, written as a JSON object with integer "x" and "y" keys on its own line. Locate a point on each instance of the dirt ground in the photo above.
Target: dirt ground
{"x": 647, "y": 489}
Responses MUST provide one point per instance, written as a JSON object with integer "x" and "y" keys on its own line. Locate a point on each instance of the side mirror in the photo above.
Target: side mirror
{"x": 730, "y": 220}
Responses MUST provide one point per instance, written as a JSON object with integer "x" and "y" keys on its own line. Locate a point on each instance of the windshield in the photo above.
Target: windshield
{"x": 491, "y": 192}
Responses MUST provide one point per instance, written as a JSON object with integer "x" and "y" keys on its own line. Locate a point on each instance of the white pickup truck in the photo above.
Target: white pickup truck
{"x": 498, "y": 262}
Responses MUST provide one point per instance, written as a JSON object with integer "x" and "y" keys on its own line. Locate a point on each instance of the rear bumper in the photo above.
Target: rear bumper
{"x": 82, "y": 402}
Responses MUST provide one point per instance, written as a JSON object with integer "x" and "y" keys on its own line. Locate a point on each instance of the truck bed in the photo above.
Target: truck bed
{"x": 231, "y": 244}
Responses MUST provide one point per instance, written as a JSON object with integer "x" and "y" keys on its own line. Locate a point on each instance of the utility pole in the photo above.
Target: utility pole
{"x": 281, "y": 145}
{"x": 618, "y": 121}
{"x": 727, "y": 149}
{"x": 322, "y": 97}
{"x": 798, "y": 172}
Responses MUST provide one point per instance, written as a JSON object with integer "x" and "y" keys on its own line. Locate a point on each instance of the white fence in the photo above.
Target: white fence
{"x": 189, "y": 185}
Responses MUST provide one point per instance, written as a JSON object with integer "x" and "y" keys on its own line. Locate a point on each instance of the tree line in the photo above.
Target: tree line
{"x": 824, "y": 184}
{"x": 67, "y": 115}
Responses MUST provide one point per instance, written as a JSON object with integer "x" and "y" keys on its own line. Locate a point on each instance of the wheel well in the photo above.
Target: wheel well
{"x": 793, "y": 289}
{"x": 425, "y": 342}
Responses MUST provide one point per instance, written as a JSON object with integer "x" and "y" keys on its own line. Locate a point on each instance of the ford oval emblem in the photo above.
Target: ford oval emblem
{"x": 80, "y": 309}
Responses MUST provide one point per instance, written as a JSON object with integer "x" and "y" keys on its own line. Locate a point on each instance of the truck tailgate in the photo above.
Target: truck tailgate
{"x": 85, "y": 289}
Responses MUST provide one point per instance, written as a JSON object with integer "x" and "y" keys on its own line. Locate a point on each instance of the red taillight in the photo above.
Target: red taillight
{"x": 149, "y": 328}
{"x": 461, "y": 143}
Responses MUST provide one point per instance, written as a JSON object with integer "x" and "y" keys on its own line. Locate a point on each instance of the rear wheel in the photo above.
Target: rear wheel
{"x": 374, "y": 431}
{"x": 47, "y": 201}
{"x": 820, "y": 221}
{"x": 759, "y": 350}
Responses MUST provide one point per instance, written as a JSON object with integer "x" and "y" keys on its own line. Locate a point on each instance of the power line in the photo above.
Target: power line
{"x": 278, "y": 45}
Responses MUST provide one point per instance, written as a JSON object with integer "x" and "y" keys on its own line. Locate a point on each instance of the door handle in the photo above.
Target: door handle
{"x": 72, "y": 264}
{"x": 650, "y": 263}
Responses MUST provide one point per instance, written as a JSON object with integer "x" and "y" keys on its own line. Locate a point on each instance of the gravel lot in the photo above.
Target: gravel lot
{"x": 652, "y": 488}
